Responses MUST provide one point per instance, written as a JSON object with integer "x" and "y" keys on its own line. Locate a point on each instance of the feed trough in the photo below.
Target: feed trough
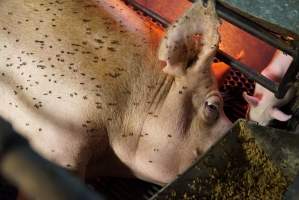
{"x": 250, "y": 162}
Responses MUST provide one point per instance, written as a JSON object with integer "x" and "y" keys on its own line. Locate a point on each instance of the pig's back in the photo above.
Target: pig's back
{"x": 67, "y": 66}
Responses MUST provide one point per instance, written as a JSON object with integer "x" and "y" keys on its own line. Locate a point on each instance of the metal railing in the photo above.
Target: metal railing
{"x": 289, "y": 47}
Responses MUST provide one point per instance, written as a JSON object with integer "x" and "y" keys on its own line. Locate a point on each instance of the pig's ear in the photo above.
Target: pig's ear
{"x": 194, "y": 37}
{"x": 251, "y": 100}
{"x": 277, "y": 114}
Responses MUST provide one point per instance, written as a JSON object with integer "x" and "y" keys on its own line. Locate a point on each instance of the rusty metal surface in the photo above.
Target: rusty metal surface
{"x": 282, "y": 146}
{"x": 293, "y": 192}
{"x": 280, "y": 16}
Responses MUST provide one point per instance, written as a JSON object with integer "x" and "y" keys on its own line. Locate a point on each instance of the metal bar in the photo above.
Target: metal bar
{"x": 262, "y": 33}
{"x": 34, "y": 175}
{"x": 249, "y": 72}
{"x": 270, "y": 85}
{"x": 290, "y": 75}
{"x": 148, "y": 12}
{"x": 253, "y": 28}
{"x": 256, "y": 30}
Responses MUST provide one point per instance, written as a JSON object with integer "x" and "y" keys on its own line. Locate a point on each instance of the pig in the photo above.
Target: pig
{"x": 93, "y": 88}
{"x": 263, "y": 105}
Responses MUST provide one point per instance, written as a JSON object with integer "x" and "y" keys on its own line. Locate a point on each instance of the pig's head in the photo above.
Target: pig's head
{"x": 263, "y": 106}
{"x": 188, "y": 49}
{"x": 191, "y": 116}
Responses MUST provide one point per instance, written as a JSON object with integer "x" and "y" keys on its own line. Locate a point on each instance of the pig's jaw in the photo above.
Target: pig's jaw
{"x": 177, "y": 137}
{"x": 157, "y": 157}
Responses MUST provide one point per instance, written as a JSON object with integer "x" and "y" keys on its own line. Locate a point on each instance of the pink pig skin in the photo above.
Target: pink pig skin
{"x": 263, "y": 105}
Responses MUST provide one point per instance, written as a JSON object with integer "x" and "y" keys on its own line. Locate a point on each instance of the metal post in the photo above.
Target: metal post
{"x": 35, "y": 176}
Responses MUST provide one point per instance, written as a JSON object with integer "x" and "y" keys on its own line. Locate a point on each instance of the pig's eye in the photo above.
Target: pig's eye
{"x": 212, "y": 106}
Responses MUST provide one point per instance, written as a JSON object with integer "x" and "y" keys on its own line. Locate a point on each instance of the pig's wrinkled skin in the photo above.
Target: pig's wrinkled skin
{"x": 82, "y": 81}
{"x": 263, "y": 105}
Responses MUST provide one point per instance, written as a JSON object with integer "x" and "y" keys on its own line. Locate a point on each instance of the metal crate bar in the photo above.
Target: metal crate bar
{"x": 256, "y": 30}
{"x": 148, "y": 12}
{"x": 250, "y": 73}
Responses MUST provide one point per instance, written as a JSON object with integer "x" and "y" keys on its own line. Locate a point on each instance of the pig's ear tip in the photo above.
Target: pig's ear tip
{"x": 287, "y": 117}
{"x": 279, "y": 115}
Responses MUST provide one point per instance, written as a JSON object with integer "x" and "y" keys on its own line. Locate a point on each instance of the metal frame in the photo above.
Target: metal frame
{"x": 289, "y": 47}
{"x": 33, "y": 174}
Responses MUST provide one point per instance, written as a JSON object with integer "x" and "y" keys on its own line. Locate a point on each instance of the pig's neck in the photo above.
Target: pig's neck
{"x": 147, "y": 89}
